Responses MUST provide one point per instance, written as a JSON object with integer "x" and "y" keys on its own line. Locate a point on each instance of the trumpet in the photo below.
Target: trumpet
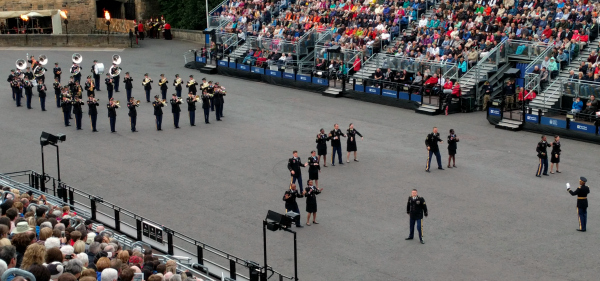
{"x": 95, "y": 100}
{"x": 196, "y": 98}
{"x": 117, "y": 104}
{"x": 164, "y": 102}
{"x": 179, "y": 100}
{"x": 137, "y": 102}
{"x": 191, "y": 82}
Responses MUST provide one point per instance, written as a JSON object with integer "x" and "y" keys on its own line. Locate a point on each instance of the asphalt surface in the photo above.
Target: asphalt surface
{"x": 489, "y": 219}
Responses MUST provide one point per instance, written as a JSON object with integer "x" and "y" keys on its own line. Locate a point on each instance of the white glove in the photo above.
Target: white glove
{"x": 568, "y": 186}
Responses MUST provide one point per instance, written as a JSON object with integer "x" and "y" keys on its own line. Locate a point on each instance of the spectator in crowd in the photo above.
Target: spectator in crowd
{"x": 591, "y": 106}
{"x": 34, "y": 254}
{"x": 577, "y": 105}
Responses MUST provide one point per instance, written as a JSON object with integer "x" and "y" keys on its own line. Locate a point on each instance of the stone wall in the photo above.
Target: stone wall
{"x": 188, "y": 35}
{"x": 116, "y": 25}
{"x": 75, "y": 40}
{"x": 81, "y": 13}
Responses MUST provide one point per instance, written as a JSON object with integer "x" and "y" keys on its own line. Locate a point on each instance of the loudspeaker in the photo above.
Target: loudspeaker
{"x": 334, "y": 49}
{"x": 513, "y": 73}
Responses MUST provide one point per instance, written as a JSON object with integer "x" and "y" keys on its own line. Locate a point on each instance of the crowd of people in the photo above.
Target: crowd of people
{"x": 50, "y": 242}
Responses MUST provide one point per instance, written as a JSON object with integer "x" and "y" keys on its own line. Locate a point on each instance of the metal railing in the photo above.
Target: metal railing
{"x": 526, "y": 49}
{"x": 297, "y": 48}
{"x": 385, "y": 61}
{"x": 218, "y": 8}
{"x": 579, "y": 88}
{"x": 131, "y": 224}
{"x": 492, "y": 59}
{"x": 217, "y": 21}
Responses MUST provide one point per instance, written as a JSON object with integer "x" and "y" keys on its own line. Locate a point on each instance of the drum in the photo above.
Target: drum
{"x": 99, "y": 68}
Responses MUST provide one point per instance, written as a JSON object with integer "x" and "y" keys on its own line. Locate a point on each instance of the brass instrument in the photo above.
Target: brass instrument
{"x": 164, "y": 102}
{"x": 146, "y": 81}
{"x": 162, "y": 81}
{"x": 21, "y": 64}
{"x": 177, "y": 82}
{"x": 137, "y": 102}
{"x": 117, "y": 104}
{"x": 39, "y": 69}
{"x": 197, "y": 98}
{"x": 95, "y": 100}
{"x": 191, "y": 82}
{"x": 115, "y": 71}
{"x": 91, "y": 88}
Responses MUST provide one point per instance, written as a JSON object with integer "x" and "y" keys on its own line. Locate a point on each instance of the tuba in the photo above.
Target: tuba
{"x": 77, "y": 59}
{"x": 115, "y": 70}
{"x": 21, "y": 64}
{"x": 39, "y": 69}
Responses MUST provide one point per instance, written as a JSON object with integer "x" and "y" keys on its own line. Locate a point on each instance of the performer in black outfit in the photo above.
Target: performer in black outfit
{"x": 78, "y": 111}
{"x": 415, "y": 208}
{"x": 555, "y": 158}
{"x": 294, "y": 165}
{"x": 191, "y": 100}
{"x": 206, "y": 105}
{"x": 66, "y": 110}
{"x": 311, "y": 193}
{"x": 322, "y": 139}
{"x": 147, "y": 86}
{"x": 192, "y": 85}
{"x": 351, "y": 143}
{"x": 175, "y": 102}
{"x": 452, "y": 140}
{"x": 158, "y": 104}
{"x": 128, "y": 85}
{"x": 57, "y": 88}
{"x": 57, "y": 72}
{"x": 543, "y": 156}
{"x": 290, "y": 202}
{"x": 115, "y": 78}
{"x": 432, "y": 147}
{"x": 93, "y": 111}
{"x": 112, "y": 114}
{"x": 17, "y": 85}
{"x": 581, "y": 192}
{"x": 336, "y": 144}
{"x": 132, "y": 104}
{"x": 89, "y": 86}
{"x": 109, "y": 85}
{"x": 42, "y": 93}
{"x": 96, "y": 76}
{"x": 313, "y": 167}
{"x": 11, "y": 78}
{"x": 162, "y": 83}
{"x": 221, "y": 95}
{"x": 177, "y": 83}
{"x": 28, "y": 91}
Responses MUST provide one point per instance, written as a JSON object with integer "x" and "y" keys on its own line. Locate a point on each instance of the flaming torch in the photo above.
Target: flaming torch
{"x": 63, "y": 14}
{"x": 107, "y": 17}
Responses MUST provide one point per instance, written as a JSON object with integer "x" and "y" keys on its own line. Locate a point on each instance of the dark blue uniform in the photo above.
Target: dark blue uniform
{"x": 176, "y": 112}
{"x": 129, "y": 86}
{"x": 294, "y": 165}
{"x": 10, "y": 79}
{"x": 416, "y": 207}
{"x": 163, "y": 88}
{"x": 581, "y": 192}
{"x": 291, "y": 204}
{"x": 109, "y": 87}
{"x": 336, "y": 145}
{"x": 93, "y": 113}
{"x": 206, "y": 107}
{"x": 57, "y": 72}
{"x": 66, "y": 108}
{"x": 18, "y": 88}
{"x": 57, "y": 93}
{"x": 112, "y": 116}
{"x": 28, "y": 92}
{"x": 147, "y": 88}
{"x": 432, "y": 142}
{"x": 177, "y": 84}
{"x": 78, "y": 113}
{"x": 543, "y": 155}
{"x": 42, "y": 93}
{"x": 192, "y": 110}
{"x": 132, "y": 115}
{"x": 158, "y": 113}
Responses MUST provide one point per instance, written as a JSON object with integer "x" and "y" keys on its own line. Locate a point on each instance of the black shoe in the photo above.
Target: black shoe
{"x": 78, "y": 128}
{"x": 19, "y": 106}
{"x": 546, "y": 175}
{"x": 422, "y": 242}
{"x": 207, "y": 122}
{"x": 193, "y": 125}
{"x": 218, "y": 119}
{"x": 408, "y": 238}
{"x": 332, "y": 164}
{"x": 117, "y": 91}
{"x": 440, "y": 168}
{"x": 341, "y": 163}
{"x": 176, "y": 127}
{"x": 43, "y": 110}
{"x": 427, "y": 170}
{"x": 538, "y": 176}
{"x": 299, "y": 226}
{"x": 68, "y": 125}
{"x": 94, "y": 131}
{"x": 580, "y": 230}
{"x": 355, "y": 160}
{"x": 159, "y": 129}
{"x": 558, "y": 171}
{"x": 113, "y": 131}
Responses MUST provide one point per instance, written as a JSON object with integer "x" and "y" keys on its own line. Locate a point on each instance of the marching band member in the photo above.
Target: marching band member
{"x": 192, "y": 85}
{"x": 109, "y": 85}
{"x": 42, "y": 93}
{"x": 116, "y": 77}
{"x": 65, "y": 94}
{"x": 220, "y": 94}
{"x": 175, "y": 102}
{"x": 90, "y": 86}
{"x": 96, "y": 76}
{"x": 112, "y": 114}
{"x": 216, "y": 101}
{"x": 17, "y": 86}
{"x": 71, "y": 84}
{"x": 177, "y": 83}
{"x": 66, "y": 109}
{"x": 163, "y": 86}
{"x": 132, "y": 104}
{"x": 12, "y": 77}
{"x": 158, "y": 104}
{"x": 78, "y": 111}
{"x": 57, "y": 71}
{"x": 28, "y": 73}
{"x": 93, "y": 111}
{"x": 191, "y": 100}
{"x": 128, "y": 85}
{"x": 28, "y": 91}
{"x": 74, "y": 68}
{"x": 147, "y": 87}
{"x": 57, "y": 87}
{"x": 206, "y": 105}
{"x": 77, "y": 90}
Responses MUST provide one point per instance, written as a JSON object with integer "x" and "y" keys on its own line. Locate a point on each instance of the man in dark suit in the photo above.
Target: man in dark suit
{"x": 294, "y": 165}
{"x": 581, "y": 192}
{"x": 157, "y": 104}
{"x": 112, "y": 114}
{"x": 93, "y": 111}
{"x": 416, "y": 208}
{"x": 176, "y": 110}
{"x": 132, "y": 113}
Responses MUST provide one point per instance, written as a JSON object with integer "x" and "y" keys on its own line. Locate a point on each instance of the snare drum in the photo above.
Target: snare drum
{"x": 99, "y": 68}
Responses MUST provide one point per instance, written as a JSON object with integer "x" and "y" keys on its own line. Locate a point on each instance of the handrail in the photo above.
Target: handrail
{"x": 482, "y": 61}
{"x": 217, "y": 7}
{"x": 547, "y": 97}
{"x": 538, "y": 59}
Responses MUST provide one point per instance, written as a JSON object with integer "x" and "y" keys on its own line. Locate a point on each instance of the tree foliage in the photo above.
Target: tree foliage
{"x": 187, "y": 14}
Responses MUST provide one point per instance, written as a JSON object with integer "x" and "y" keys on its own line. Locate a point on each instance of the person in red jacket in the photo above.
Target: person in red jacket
{"x": 141, "y": 30}
{"x": 168, "y": 35}
{"x": 456, "y": 91}
{"x": 432, "y": 80}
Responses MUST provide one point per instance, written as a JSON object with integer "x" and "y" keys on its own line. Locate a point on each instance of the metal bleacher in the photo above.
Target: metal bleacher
{"x": 130, "y": 230}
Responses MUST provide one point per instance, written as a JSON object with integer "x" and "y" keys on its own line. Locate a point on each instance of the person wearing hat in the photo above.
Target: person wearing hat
{"x": 131, "y": 104}
{"x": 42, "y": 94}
{"x": 163, "y": 86}
{"x": 77, "y": 110}
{"x": 22, "y": 227}
{"x": 56, "y": 86}
{"x": 175, "y": 102}
{"x": 211, "y": 90}
{"x": 158, "y": 104}
{"x": 128, "y": 84}
{"x": 543, "y": 156}
{"x": 216, "y": 101}
{"x": 177, "y": 83}
{"x": 191, "y": 100}
{"x": 581, "y": 192}
{"x": 116, "y": 77}
{"x": 28, "y": 91}
{"x": 147, "y": 86}
{"x": 93, "y": 111}
{"x": 112, "y": 114}
{"x": 109, "y": 85}
{"x": 11, "y": 78}
{"x": 96, "y": 76}
{"x": 221, "y": 96}
{"x": 206, "y": 104}
{"x": 56, "y": 269}
{"x": 90, "y": 86}
{"x": 192, "y": 84}
{"x": 57, "y": 71}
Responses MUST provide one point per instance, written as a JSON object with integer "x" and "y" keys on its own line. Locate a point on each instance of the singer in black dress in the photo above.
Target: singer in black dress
{"x": 311, "y": 201}
{"x": 452, "y": 140}
{"x": 351, "y": 144}
{"x": 313, "y": 167}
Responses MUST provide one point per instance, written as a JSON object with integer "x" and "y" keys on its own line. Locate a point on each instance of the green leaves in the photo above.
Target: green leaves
{"x": 187, "y": 14}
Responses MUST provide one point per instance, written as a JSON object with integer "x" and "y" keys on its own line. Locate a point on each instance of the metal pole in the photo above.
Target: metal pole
{"x": 43, "y": 189}
{"x": 58, "y": 162}
{"x": 295, "y": 258}
{"x": 207, "y": 20}
{"x": 264, "y": 274}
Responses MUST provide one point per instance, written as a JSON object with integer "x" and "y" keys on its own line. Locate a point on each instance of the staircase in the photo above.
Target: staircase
{"x": 368, "y": 69}
{"x": 428, "y": 109}
{"x": 333, "y": 92}
{"x": 511, "y": 125}
{"x": 239, "y": 52}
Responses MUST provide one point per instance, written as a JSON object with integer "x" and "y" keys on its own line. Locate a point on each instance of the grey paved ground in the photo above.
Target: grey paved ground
{"x": 490, "y": 219}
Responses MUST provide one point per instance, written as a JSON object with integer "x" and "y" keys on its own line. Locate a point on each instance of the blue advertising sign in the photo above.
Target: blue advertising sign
{"x": 258, "y": 70}
{"x": 274, "y": 73}
{"x": 243, "y": 67}
{"x": 232, "y": 65}
{"x": 389, "y": 93}
{"x": 494, "y": 111}
{"x": 532, "y": 118}
{"x": 554, "y": 122}
{"x": 404, "y": 95}
{"x": 303, "y": 78}
{"x": 359, "y": 88}
{"x": 373, "y": 90}
{"x": 320, "y": 81}
{"x": 288, "y": 75}
{"x": 201, "y": 59}
{"x": 416, "y": 98}
{"x": 223, "y": 63}
{"x": 586, "y": 128}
